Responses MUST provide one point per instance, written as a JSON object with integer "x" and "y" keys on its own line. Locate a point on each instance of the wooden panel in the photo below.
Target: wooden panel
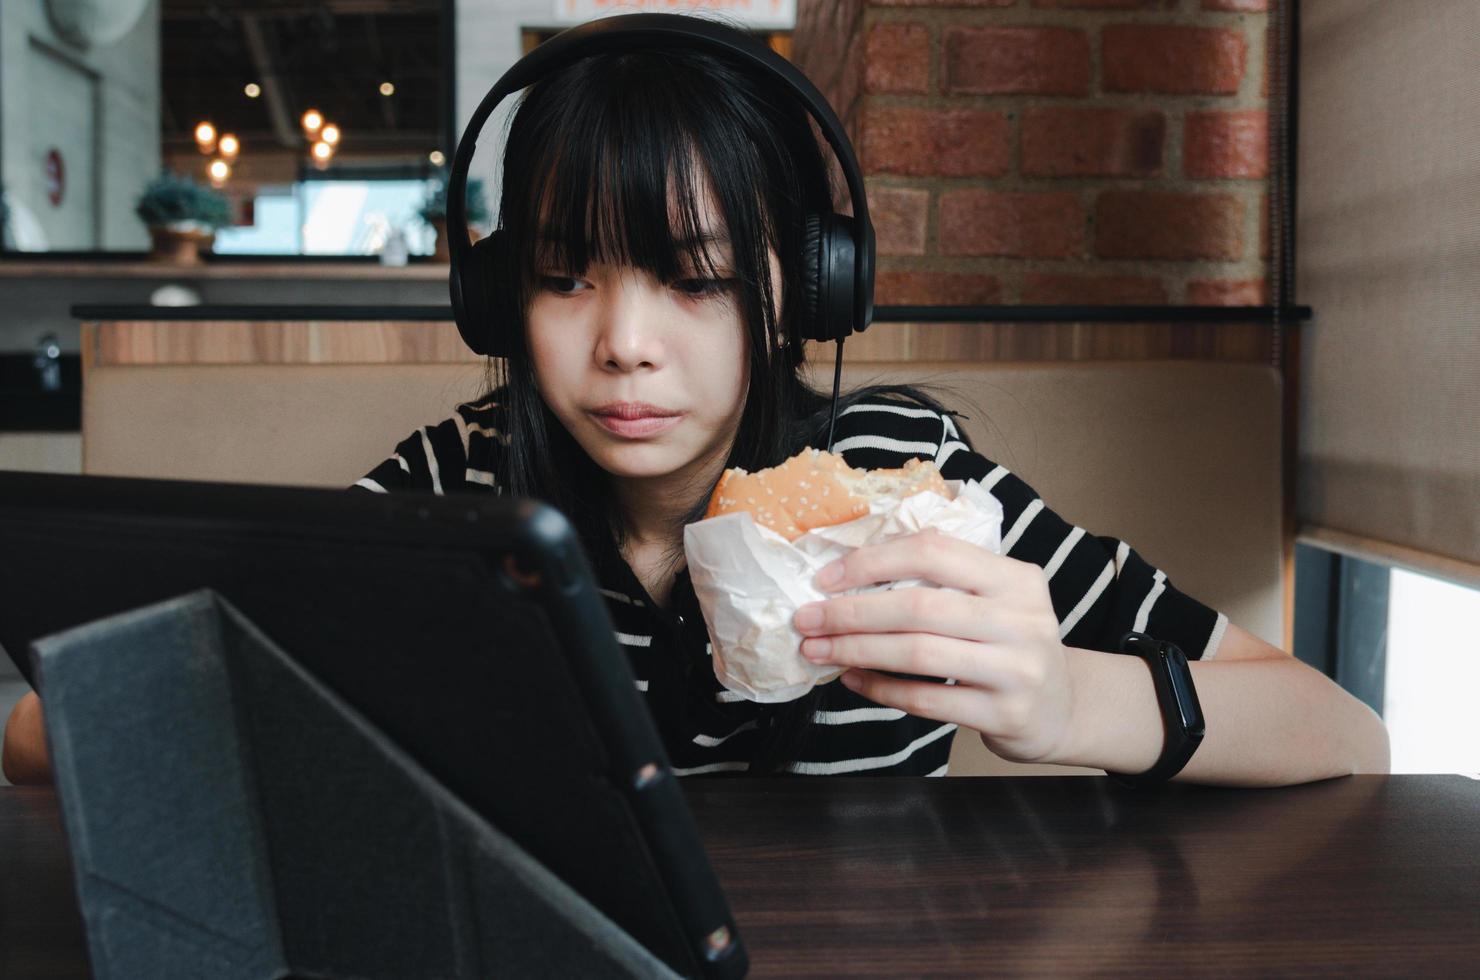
{"x": 399, "y": 342}
{"x": 272, "y": 342}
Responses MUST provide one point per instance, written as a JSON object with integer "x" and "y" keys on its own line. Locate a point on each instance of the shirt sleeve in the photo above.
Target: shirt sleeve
{"x": 1100, "y": 586}
{"x": 459, "y": 454}
{"x": 422, "y": 462}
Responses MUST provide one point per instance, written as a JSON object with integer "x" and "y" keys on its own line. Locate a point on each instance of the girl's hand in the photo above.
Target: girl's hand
{"x": 998, "y": 638}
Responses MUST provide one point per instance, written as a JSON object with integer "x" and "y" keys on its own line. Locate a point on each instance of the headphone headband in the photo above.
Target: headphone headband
{"x": 672, "y": 30}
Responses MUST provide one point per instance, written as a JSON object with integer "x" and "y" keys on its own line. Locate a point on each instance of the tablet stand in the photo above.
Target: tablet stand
{"x": 229, "y": 816}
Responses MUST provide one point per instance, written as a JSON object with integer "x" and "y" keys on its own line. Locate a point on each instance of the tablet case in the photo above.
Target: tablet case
{"x": 468, "y": 631}
{"x": 231, "y": 817}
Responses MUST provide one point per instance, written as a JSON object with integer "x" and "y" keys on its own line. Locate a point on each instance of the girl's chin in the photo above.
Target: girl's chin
{"x": 635, "y": 462}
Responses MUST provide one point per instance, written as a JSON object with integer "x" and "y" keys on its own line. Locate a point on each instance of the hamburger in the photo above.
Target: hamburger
{"x": 816, "y": 488}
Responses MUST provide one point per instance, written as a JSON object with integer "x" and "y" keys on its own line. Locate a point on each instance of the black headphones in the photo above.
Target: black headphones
{"x": 838, "y": 256}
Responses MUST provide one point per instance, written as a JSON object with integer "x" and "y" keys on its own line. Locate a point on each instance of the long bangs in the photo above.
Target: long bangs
{"x": 618, "y": 160}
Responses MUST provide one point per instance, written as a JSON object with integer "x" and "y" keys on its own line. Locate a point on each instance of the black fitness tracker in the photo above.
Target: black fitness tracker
{"x": 1181, "y": 714}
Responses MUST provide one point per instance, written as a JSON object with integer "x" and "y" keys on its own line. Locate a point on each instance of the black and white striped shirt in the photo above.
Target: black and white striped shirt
{"x": 1099, "y": 585}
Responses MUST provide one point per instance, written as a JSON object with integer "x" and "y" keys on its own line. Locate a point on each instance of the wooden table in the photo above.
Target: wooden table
{"x": 1068, "y": 876}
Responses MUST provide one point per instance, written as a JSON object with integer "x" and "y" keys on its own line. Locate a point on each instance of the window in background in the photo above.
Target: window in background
{"x": 1432, "y": 680}
{"x": 331, "y": 217}
{"x": 1402, "y": 643}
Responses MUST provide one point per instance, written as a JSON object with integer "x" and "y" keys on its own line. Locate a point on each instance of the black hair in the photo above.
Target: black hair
{"x": 593, "y": 153}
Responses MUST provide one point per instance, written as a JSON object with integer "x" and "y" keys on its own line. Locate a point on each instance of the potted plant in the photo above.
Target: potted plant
{"x": 434, "y": 211}
{"x": 182, "y": 216}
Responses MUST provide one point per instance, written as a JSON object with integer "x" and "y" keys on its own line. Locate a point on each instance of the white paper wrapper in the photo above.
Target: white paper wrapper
{"x": 750, "y": 581}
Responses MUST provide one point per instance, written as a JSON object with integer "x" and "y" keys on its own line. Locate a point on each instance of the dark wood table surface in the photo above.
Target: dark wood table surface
{"x": 1071, "y": 876}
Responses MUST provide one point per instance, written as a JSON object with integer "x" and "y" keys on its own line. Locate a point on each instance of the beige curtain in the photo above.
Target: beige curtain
{"x": 1388, "y": 253}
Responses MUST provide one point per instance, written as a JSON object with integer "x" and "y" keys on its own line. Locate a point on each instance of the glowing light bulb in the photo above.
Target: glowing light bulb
{"x": 313, "y": 121}
{"x": 322, "y": 151}
{"x": 218, "y": 171}
{"x": 387, "y": 88}
{"x": 330, "y": 134}
{"x": 252, "y": 90}
{"x": 437, "y": 158}
{"x": 229, "y": 146}
{"x": 205, "y": 137}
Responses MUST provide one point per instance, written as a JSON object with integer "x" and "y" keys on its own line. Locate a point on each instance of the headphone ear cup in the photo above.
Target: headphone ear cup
{"x": 475, "y": 284}
{"x": 807, "y": 321}
{"x": 827, "y": 277}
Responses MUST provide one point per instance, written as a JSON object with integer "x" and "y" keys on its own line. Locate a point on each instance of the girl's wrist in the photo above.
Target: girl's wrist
{"x": 1114, "y": 719}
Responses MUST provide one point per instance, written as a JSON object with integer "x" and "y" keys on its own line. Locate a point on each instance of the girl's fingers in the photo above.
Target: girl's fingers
{"x": 927, "y": 555}
{"x": 909, "y": 610}
{"x": 923, "y": 654}
{"x": 940, "y": 702}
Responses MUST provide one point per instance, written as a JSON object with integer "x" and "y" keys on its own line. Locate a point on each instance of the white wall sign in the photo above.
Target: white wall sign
{"x": 776, "y": 15}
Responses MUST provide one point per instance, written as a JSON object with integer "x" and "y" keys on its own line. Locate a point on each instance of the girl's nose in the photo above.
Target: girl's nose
{"x": 629, "y": 334}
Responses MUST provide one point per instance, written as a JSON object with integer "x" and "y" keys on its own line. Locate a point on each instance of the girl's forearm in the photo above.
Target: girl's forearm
{"x": 1269, "y": 722}
{"x": 24, "y": 757}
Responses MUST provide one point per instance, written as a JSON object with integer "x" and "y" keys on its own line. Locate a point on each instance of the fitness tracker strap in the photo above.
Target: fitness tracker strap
{"x": 1181, "y": 714}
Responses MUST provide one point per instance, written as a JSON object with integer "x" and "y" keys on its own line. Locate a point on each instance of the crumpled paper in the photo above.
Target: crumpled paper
{"x": 750, "y": 581}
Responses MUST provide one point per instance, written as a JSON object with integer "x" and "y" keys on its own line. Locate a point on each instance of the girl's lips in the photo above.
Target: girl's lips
{"x": 637, "y": 428}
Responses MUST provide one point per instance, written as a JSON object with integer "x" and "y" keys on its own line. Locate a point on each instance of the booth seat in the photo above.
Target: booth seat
{"x": 1178, "y": 458}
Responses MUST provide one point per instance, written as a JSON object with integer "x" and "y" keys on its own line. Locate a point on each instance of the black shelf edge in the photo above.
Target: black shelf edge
{"x": 882, "y": 314}
{"x": 1091, "y": 314}
{"x": 104, "y": 259}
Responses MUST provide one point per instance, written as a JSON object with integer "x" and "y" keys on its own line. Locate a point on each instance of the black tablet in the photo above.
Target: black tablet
{"x": 468, "y": 630}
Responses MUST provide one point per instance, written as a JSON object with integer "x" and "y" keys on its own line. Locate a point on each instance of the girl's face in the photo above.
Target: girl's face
{"x": 649, "y": 379}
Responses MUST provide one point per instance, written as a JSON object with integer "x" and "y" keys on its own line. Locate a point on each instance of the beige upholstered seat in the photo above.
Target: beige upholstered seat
{"x": 1179, "y": 458}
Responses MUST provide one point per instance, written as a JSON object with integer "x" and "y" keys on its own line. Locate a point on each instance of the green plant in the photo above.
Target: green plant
{"x": 173, "y": 198}
{"x": 434, "y": 205}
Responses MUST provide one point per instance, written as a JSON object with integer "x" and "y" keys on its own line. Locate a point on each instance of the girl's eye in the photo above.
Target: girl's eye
{"x": 563, "y": 285}
{"x": 701, "y": 288}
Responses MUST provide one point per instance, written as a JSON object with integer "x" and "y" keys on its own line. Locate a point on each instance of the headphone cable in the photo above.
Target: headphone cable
{"x": 837, "y": 383}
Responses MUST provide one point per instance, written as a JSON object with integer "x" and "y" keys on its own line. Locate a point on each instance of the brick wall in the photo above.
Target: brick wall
{"x": 1055, "y": 151}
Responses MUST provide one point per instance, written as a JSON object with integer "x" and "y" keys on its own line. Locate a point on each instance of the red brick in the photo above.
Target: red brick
{"x": 1226, "y": 292}
{"x": 1075, "y": 142}
{"x": 1173, "y": 59}
{"x": 1096, "y": 4}
{"x": 1168, "y": 225}
{"x": 1242, "y": 6}
{"x": 910, "y": 287}
{"x": 1226, "y": 144}
{"x": 898, "y": 215}
{"x": 1020, "y": 225}
{"x": 1039, "y": 60}
{"x": 1051, "y": 288}
{"x": 897, "y": 58}
{"x": 944, "y": 142}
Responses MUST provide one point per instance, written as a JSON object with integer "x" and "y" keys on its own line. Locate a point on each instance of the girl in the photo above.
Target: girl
{"x": 654, "y": 201}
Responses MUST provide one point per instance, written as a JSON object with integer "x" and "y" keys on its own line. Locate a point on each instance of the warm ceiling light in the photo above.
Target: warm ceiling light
{"x": 313, "y": 121}
{"x": 205, "y": 137}
{"x": 322, "y": 150}
{"x": 229, "y": 146}
{"x": 387, "y": 88}
{"x": 330, "y": 134}
{"x": 253, "y": 90}
{"x": 219, "y": 170}
{"x": 437, "y": 158}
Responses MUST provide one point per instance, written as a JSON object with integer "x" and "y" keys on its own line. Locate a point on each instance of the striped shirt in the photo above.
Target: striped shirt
{"x": 1100, "y": 588}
